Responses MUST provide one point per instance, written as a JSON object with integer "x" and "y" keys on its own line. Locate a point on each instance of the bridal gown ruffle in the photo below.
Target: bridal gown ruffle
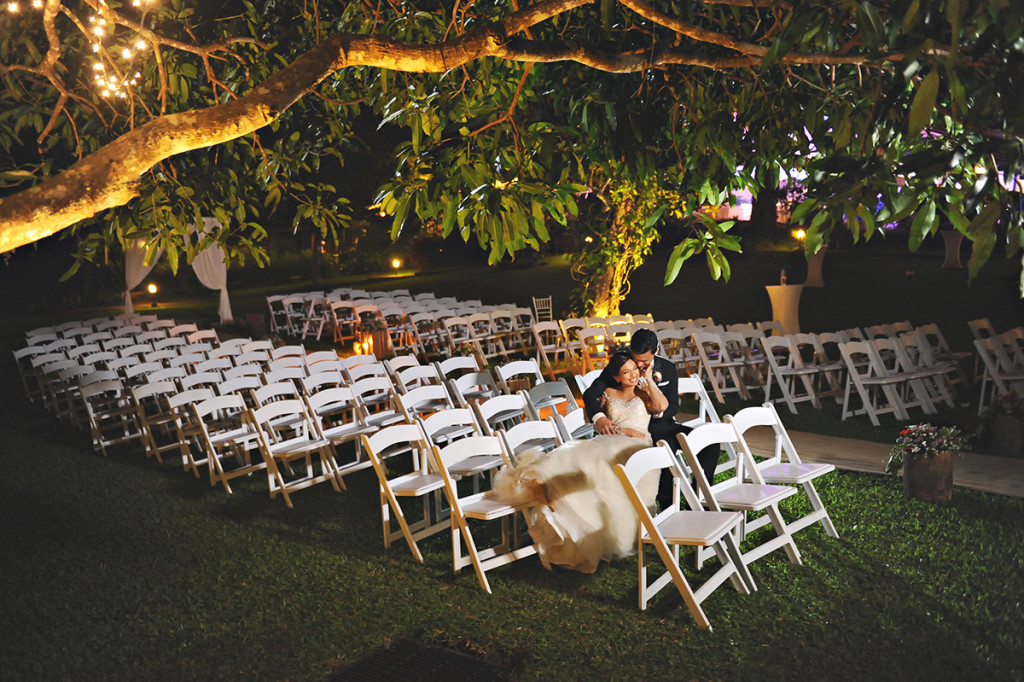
{"x": 588, "y": 517}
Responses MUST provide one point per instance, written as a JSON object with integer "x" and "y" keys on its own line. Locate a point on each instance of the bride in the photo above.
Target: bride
{"x": 583, "y": 515}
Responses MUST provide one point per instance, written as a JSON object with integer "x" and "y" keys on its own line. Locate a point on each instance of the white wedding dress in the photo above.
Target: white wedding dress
{"x": 588, "y": 517}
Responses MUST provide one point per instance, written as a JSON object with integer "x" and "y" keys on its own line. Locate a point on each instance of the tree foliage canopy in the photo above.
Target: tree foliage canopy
{"x": 127, "y": 120}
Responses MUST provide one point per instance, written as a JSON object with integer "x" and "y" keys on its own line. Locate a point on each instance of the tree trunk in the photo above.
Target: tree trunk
{"x": 604, "y": 275}
{"x": 316, "y": 257}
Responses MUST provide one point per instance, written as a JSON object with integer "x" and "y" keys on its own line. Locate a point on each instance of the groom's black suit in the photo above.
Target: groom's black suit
{"x": 663, "y": 427}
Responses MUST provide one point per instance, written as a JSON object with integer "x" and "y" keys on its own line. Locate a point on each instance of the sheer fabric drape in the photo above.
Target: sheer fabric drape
{"x": 136, "y": 269}
{"x": 211, "y": 268}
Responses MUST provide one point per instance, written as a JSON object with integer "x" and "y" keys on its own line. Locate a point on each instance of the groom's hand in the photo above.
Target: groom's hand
{"x": 605, "y": 426}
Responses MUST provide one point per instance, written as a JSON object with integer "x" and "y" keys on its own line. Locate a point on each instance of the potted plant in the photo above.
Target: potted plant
{"x": 1003, "y": 418}
{"x": 925, "y": 453}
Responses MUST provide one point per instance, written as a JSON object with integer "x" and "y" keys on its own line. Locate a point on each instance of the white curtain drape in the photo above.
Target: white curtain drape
{"x": 136, "y": 269}
{"x": 212, "y": 270}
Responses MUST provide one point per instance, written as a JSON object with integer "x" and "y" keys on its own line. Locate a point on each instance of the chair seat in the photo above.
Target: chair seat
{"x": 384, "y": 418}
{"x": 793, "y": 473}
{"x": 751, "y": 496}
{"x": 233, "y": 436}
{"x": 415, "y": 484}
{"x": 487, "y": 505}
{"x": 447, "y": 433}
{"x": 476, "y": 464}
{"x": 537, "y": 443}
{"x": 697, "y": 527}
{"x": 344, "y": 432}
{"x": 298, "y": 447}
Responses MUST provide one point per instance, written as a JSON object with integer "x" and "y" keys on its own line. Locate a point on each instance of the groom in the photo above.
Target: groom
{"x": 642, "y": 346}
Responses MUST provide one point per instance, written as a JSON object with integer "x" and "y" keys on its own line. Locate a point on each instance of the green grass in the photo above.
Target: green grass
{"x": 122, "y": 569}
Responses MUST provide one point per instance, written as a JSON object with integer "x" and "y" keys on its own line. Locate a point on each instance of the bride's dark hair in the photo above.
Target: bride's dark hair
{"x": 611, "y": 370}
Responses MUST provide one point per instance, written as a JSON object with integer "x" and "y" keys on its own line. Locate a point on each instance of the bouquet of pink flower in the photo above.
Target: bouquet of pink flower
{"x": 924, "y": 440}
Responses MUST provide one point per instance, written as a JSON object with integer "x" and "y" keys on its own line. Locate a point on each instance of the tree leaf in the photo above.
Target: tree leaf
{"x": 924, "y": 223}
{"x": 924, "y": 103}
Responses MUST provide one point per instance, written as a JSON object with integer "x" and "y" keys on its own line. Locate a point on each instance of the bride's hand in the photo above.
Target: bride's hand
{"x": 633, "y": 433}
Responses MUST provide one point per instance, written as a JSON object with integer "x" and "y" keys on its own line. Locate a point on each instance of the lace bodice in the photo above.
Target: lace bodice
{"x": 630, "y": 413}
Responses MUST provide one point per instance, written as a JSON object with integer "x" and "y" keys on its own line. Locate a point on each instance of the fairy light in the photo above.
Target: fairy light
{"x": 129, "y": 49}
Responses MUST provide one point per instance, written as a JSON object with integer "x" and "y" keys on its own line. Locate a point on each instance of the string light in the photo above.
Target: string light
{"x": 130, "y": 49}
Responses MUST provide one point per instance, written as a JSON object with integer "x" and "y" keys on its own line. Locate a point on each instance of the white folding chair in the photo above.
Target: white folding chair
{"x": 574, "y": 425}
{"x": 448, "y": 425}
{"x": 286, "y": 434}
{"x": 718, "y": 367}
{"x": 113, "y": 419}
{"x": 480, "y": 506}
{"x": 420, "y": 482}
{"x": 673, "y": 527}
{"x": 552, "y": 348}
{"x": 999, "y": 376}
{"x": 876, "y": 390}
{"x": 782, "y": 465}
{"x": 735, "y": 494}
{"x": 340, "y": 419}
{"x": 224, "y": 436}
{"x": 785, "y": 368}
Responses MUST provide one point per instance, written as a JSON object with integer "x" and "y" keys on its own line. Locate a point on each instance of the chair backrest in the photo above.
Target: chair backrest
{"x": 393, "y": 440}
{"x": 417, "y": 375}
{"x": 281, "y": 390}
{"x": 460, "y": 363}
{"x": 209, "y": 379}
{"x": 550, "y": 395}
{"x": 723, "y": 435}
{"x": 542, "y": 307}
{"x": 981, "y": 328}
{"x": 584, "y": 381}
{"x": 510, "y": 372}
{"x": 472, "y": 386}
{"x": 358, "y": 359}
{"x": 368, "y": 369}
{"x": 424, "y": 400}
{"x": 500, "y": 411}
{"x": 451, "y": 424}
{"x": 531, "y": 434}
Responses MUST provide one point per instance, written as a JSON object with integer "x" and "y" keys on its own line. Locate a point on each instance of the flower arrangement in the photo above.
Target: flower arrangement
{"x": 924, "y": 440}
{"x": 371, "y": 324}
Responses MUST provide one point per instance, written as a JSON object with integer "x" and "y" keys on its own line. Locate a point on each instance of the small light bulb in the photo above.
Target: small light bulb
{"x": 37, "y": 3}
{"x": 141, "y": 45}
{"x": 98, "y": 31}
{"x": 97, "y": 66}
{"x": 95, "y": 47}
{"x": 12, "y": 7}
{"x": 127, "y": 54}
{"x": 106, "y": 93}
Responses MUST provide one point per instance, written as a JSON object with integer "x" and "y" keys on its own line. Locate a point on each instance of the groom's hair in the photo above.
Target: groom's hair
{"x": 644, "y": 341}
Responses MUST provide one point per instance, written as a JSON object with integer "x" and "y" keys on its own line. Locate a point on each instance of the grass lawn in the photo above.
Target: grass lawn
{"x": 118, "y": 568}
